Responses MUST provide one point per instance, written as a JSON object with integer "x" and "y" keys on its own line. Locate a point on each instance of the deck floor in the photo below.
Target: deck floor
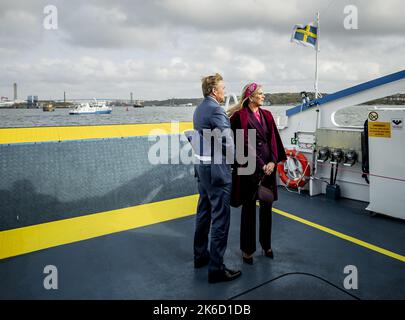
{"x": 156, "y": 262}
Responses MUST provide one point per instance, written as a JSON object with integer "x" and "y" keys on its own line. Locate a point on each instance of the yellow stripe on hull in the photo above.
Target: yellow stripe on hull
{"x": 48, "y": 134}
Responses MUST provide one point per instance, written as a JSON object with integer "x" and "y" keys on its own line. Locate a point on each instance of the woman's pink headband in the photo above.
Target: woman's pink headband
{"x": 250, "y": 89}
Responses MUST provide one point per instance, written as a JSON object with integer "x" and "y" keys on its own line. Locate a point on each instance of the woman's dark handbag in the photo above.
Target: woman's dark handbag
{"x": 264, "y": 194}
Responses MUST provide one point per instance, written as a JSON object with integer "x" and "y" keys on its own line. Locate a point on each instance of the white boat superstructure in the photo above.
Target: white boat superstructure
{"x": 356, "y": 162}
{"x": 6, "y": 103}
{"x": 97, "y": 107}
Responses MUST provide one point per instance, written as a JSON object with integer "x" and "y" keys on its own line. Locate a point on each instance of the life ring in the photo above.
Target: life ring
{"x": 295, "y": 171}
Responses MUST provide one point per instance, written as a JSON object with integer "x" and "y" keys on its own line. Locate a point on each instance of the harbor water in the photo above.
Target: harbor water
{"x": 9, "y": 118}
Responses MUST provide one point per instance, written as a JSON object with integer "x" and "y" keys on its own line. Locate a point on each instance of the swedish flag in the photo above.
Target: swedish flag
{"x": 306, "y": 35}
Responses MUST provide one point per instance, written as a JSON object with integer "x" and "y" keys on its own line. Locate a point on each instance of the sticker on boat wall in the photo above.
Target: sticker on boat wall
{"x": 379, "y": 129}
{"x": 397, "y": 123}
{"x": 373, "y": 116}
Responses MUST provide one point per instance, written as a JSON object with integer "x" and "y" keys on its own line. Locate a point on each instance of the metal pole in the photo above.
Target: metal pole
{"x": 15, "y": 91}
{"x": 316, "y": 56}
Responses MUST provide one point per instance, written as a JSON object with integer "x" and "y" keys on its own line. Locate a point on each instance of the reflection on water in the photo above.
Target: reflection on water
{"x": 351, "y": 116}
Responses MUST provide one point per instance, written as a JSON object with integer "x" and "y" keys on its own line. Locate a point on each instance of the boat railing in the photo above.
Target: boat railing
{"x": 281, "y": 121}
{"x": 228, "y": 100}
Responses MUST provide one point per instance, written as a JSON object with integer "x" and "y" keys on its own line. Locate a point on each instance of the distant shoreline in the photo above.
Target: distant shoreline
{"x": 292, "y": 99}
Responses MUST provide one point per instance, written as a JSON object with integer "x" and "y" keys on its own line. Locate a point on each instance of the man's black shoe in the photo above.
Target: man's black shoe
{"x": 202, "y": 262}
{"x": 223, "y": 275}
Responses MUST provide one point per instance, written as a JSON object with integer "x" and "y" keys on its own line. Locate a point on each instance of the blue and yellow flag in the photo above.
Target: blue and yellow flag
{"x": 306, "y": 35}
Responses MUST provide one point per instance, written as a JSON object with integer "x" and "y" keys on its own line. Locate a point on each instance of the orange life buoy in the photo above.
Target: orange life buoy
{"x": 295, "y": 171}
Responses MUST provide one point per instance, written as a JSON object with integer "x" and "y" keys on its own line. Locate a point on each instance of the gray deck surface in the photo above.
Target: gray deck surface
{"x": 156, "y": 262}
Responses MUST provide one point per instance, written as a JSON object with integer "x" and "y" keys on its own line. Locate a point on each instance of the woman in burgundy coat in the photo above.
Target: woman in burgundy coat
{"x": 248, "y": 114}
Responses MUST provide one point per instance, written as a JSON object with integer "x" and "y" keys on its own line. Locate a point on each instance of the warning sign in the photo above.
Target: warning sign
{"x": 397, "y": 123}
{"x": 379, "y": 129}
{"x": 373, "y": 116}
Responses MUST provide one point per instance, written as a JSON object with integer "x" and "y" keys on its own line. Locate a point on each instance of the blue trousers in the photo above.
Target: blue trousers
{"x": 213, "y": 213}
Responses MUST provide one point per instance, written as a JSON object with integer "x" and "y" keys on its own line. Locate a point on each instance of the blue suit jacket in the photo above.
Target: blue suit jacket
{"x": 209, "y": 115}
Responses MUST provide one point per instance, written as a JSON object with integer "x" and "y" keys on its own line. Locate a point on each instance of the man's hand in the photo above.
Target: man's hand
{"x": 269, "y": 168}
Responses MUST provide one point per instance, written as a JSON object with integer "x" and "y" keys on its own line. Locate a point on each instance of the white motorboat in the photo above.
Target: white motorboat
{"x": 91, "y": 108}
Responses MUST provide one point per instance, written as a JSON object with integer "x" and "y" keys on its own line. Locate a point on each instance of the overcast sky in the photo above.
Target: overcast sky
{"x": 161, "y": 48}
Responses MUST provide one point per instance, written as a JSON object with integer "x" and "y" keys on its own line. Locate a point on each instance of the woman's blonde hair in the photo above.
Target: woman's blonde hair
{"x": 244, "y": 100}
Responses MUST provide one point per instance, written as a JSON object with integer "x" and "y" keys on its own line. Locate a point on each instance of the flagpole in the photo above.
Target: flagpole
{"x": 316, "y": 56}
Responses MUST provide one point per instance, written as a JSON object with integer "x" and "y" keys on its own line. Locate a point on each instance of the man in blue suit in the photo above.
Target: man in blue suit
{"x": 213, "y": 172}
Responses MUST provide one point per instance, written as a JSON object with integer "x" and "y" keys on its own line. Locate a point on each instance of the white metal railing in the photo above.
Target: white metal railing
{"x": 228, "y": 100}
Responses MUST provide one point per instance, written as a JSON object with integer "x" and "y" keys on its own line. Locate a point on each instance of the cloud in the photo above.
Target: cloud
{"x": 98, "y": 27}
{"x": 19, "y": 29}
{"x": 162, "y": 48}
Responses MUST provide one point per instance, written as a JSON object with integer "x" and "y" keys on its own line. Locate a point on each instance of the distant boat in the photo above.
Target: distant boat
{"x": 6, "y": 103}
{"x": 48, "y": 107}
{"x": 138, "y": 104}
{"x": 185, "y": 105}
{"x": 91, "y": 108}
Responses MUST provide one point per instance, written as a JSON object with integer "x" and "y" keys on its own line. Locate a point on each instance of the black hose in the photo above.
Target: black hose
{"x": 365, "y": 176}
{"x": 293, "y": 273}
{"x": 336, "y": 171}
{"x": 331, "y": 174}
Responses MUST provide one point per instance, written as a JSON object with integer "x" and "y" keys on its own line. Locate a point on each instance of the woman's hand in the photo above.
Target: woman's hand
{"x": 269, "y": 168}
